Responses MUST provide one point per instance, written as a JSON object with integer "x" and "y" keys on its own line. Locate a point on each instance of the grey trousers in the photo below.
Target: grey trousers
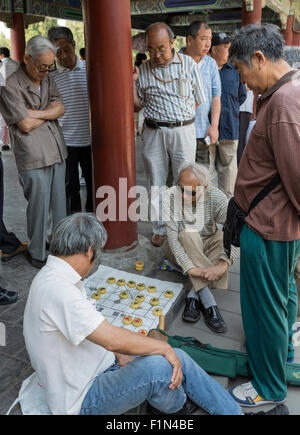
{"x": 45, "y": 192}
{"x": 159, "y": 146}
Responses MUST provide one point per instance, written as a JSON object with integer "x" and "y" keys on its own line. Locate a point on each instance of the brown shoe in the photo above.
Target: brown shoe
{"x": 157, "y": 240}
{"x": 20, "y": 250}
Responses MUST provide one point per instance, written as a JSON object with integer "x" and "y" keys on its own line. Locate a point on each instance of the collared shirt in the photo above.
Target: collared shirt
{"x": 173, "y": 101}
{"x": 233, "y": 95}
{"x": 43, "y": 146}
{"x": 212, "y": 88}
{"x": 58, "y": 317}
{"x": 273, "y": 148}
{"x": 72, "y": 85}
{"x": 203, "y": 219}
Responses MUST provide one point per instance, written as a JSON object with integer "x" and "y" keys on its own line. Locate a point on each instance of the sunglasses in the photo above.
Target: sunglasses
{"x": 188, "y": 192}
{"x": 44, "y": 68}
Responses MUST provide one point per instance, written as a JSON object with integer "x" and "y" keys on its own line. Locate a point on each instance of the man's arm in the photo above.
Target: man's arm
{"x": 37, "y": 117}
{"x": 213, "y": 131}
{"x": 54, "y": 110}
{"x": 123, "y": 341}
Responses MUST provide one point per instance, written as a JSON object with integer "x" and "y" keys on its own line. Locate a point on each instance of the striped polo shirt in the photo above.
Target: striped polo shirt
{"x": 72, "y": 86}
{"x": 202, "y": 219}
{"x": 170, "y": 93}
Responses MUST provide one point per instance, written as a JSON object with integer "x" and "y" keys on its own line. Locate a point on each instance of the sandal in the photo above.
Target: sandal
{"x": 7, "y": 298}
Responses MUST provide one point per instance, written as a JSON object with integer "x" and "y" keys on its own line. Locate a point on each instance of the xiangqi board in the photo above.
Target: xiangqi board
{"x": 130, "y": 300}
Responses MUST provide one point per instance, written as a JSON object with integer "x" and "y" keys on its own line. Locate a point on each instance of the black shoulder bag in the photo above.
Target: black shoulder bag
{"x": 235, "y": 219}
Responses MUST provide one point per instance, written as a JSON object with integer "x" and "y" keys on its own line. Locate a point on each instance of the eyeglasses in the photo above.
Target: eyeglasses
{"x": 185, "y": 191}
{"x": 44, "y": 68}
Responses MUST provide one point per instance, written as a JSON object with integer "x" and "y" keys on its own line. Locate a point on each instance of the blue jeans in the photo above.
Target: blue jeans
{"x": 118, "y": 390}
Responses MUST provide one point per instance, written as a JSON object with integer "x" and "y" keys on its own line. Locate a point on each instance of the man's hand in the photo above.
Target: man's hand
{"x": 209, "y": 274}
{"x": 123, "y": 360}
{"x": 136, "y": 73}
{"x": 213, "y": 134}
{"x": 177, "y": 375}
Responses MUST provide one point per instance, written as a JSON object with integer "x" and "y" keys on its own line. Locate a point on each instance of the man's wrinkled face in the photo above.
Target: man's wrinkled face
{"x": 160, "y": 47}
{"x": 221, "y": 53}
{"x": 38, "y": 67}
{"x": 190, "y": 188}
{"x": 202, "y": 43}
{"x": 255, "y": 76}
{"x": 66, "y": 53}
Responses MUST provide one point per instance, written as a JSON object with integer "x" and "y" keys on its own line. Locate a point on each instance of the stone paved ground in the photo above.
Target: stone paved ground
{"x": 18, "y": 274}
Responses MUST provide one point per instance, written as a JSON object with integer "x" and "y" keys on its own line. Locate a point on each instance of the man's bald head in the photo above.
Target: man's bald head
{"x": 158, "y": 27}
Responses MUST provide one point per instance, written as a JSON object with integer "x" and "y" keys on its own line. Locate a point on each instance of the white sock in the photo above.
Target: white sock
{"x": 206, "y": 297}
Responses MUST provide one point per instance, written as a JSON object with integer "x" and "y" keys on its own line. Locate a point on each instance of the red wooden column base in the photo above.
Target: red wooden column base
{"x": 109, "y": 64}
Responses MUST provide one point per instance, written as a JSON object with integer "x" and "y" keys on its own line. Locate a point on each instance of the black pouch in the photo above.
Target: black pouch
{"x": 233, "y": 226}
{"x": 235, "y": 219}
{"x": 150, "y": 123}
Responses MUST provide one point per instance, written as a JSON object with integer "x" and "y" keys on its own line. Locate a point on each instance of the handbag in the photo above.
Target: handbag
{"x": 235, "y": 218}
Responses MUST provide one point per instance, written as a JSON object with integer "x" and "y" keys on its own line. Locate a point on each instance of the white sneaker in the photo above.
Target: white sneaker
{"x": 246, "y": 395}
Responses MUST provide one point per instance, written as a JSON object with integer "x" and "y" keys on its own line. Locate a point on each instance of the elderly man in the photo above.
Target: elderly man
{"x": 31, "y": 105}
{"x": 168, "y": 86}
{"x": 233, "y": 95}
{"x": 71, "y": 81}
{"x": 198, "y": 44}
{"x": 82, "y": 362}
{"x": 192, "y": 211}
{"x": 270, "y": 239}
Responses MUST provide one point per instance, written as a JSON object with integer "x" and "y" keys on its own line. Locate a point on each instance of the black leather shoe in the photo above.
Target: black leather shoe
{"x": 192, "y": 311}
{"x": 188, "y": 408}
{"x": 213, "y": 319}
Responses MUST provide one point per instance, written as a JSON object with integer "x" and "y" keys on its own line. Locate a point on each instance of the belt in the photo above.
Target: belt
{"x": 157, "y": 124}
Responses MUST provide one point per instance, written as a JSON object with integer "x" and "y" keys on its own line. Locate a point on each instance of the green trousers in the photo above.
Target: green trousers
{"x": 269, "y": 309}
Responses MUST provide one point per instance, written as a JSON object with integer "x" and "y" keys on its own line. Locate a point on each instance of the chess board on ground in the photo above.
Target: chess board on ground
{"x": 113, "y": 292}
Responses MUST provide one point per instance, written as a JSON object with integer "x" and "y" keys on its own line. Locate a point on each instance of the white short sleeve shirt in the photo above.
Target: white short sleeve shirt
{"x": 58, "y": 318}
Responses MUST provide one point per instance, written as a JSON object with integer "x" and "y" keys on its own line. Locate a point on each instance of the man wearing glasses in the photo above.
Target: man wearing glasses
{"x": 192, "y": 210}
{"x": 169, "y": 87}
{"x": 31, "y": 105}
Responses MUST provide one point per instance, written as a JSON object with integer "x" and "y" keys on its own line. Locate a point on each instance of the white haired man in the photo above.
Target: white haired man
{"x": 192, "y": 211}
{"x": 30, "y": 104}
{"x": 82, "y": 363}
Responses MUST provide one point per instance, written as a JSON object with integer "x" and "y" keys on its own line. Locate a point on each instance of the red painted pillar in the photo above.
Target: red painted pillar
{"x": 296, "y": 39}
{"x": 17, "y": 37}
{"x": 109, "y": 61}
{"x": 254, "y": 16}
{"x": 288, "y": 32}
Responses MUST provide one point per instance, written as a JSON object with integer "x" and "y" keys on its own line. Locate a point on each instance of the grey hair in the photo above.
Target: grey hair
{"x": 199, "y": 170}
{"x": 267, "y": 39}
{"x": 58, "y": 32}
{"x": 39, "y": 45}
{"x": 292, "y": 56}
{"x": 76, "y": 234}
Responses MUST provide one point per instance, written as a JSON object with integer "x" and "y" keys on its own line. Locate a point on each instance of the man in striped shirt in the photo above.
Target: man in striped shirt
{"x": 168, "y": 87}
{"x": 192, "y": 210}
{"x": 70, "y": 78}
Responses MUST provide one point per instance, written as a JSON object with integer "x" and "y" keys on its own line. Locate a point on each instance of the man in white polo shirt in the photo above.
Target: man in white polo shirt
{"x": 81, "y": 361}
{"x": 70, "y": 78}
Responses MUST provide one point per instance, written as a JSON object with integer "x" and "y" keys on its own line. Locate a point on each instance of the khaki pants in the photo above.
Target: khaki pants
{"x": 297, "y": 278}
{"x": 224, "y": 157}
{"x": 203, "y": 253}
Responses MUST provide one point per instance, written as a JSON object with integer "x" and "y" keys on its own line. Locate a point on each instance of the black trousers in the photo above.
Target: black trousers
{"x": 8, "y": 241}
{"x": 245, "y": 118}
{"x": 78, "y": 156}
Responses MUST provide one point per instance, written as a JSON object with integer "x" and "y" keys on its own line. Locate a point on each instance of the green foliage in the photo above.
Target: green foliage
{"x": 42, "y": 28}
{"x": 4, "y": 42}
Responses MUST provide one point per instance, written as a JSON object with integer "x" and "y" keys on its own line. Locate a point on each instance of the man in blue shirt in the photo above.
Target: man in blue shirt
{"x": 233, "y": 95}
{"x": 198, "y": 44}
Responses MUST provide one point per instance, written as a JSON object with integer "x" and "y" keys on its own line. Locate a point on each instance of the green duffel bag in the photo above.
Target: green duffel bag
{"x": 221, "y": 362}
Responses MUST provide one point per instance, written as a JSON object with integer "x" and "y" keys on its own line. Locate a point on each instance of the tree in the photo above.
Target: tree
{"x": 40, "y": 29}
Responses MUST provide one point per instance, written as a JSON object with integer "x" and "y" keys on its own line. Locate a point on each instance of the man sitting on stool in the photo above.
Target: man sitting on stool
{"x": 192, "y": 211}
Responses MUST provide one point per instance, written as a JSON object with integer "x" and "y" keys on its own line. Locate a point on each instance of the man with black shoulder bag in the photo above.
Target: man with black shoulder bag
{"x": 264, "y": 216}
